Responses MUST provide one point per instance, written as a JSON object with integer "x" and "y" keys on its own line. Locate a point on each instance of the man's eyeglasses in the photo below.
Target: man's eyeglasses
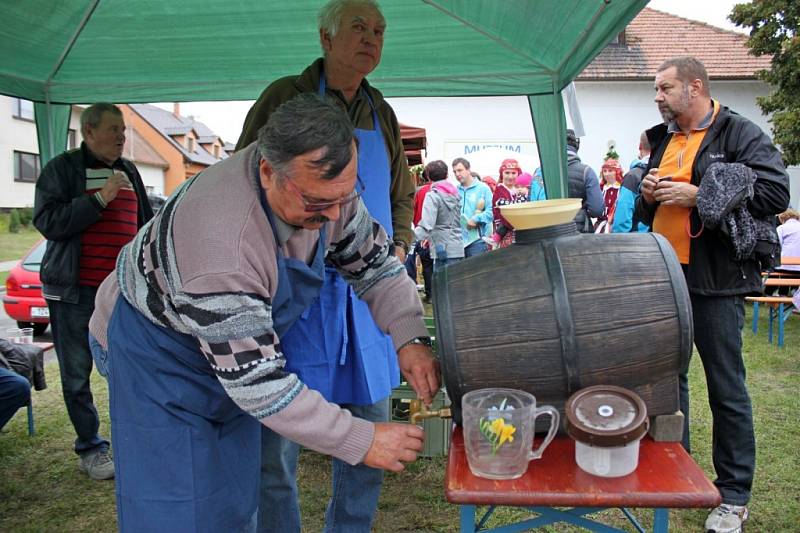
{"x": 316, "y": 207}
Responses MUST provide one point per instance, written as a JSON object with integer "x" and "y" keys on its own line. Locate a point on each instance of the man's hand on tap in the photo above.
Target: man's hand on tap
{"x": 420, "y": 369}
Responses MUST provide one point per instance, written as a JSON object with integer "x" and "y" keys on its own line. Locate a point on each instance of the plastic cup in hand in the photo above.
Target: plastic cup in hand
{"x": 13, "y": 334}
{"x": 499, "y": 429}
{"x": 25, "y": 336}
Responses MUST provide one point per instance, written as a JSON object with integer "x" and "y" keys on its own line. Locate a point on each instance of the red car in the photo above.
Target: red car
{"x": 23, "y": 300}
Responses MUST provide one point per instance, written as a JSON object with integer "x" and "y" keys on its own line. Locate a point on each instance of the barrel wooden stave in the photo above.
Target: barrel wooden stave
{"x": 626, "y": 309}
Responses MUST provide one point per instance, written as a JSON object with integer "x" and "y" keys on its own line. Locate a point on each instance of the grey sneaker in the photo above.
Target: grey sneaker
{"x": 98, "y": 465}
{"x": 726, "y": 518}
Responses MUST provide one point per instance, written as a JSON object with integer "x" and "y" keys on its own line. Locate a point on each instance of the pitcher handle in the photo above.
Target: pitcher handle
{"x": 554, "y": 421}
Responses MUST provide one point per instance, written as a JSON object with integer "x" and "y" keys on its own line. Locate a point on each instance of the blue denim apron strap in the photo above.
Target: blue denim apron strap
{"x": 186, "y": 456}
{"x": 367, "y": 369}
{"x": 299, "y": 284}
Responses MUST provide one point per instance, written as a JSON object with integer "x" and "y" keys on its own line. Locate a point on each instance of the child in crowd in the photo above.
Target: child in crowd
{"x": 610, "y": 182}
{"x": 506, "y": 193}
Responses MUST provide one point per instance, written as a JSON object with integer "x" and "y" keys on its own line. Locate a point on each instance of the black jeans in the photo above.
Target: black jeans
{"x": 70, "y": 326}
{"x": 425, "y": 259}
{"x": 718, "y": 322}
{"x": 427, "y": 267}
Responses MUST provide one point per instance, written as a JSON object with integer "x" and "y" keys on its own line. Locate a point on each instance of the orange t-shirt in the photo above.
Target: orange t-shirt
{"x": 672, "y": 221}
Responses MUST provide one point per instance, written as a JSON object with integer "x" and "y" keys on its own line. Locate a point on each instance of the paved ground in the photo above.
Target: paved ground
{"x": 5, "y": 266}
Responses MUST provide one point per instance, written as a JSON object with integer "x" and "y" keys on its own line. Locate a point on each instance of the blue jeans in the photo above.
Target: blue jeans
{"x": 356, "y": 489}
{"x": 476, "y": 248}
{"x": 70, "y": 326}
{"x": 718, "y": 322}
{"x": 100, "y": 356}
{"x": 15, "y": 392}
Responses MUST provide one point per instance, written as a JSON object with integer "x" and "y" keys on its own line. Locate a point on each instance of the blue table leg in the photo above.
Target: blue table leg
{"x": 755, "y": 318}
{"x": 467, "y": 518}
{"x": 781, "y": 319}
{"x": 771, "y": 319}
{"x": 660, "y": 520}
{"x": 551, "y": 515}
{"x": 31, "y": 429}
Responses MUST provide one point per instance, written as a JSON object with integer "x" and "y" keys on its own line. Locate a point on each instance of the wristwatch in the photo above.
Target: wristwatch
{"x": 425, "y": 341}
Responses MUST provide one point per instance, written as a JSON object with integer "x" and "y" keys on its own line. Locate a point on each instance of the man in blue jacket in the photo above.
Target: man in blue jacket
{"x": 476, "y": 209}
{"x": 625, "y": 220}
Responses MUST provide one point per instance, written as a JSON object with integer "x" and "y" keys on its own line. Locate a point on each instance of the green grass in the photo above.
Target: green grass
{"x": 41, "y": 488}
{"x": 15, "y": 245}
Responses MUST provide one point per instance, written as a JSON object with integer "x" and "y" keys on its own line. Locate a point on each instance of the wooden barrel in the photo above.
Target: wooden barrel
{"x": 559, "y": 311}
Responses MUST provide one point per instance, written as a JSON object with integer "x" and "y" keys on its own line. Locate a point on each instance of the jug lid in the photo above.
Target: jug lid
{"x": 606, "y": 415}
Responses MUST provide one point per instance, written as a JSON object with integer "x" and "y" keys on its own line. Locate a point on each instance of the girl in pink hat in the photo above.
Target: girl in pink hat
{"x": 610, "y": 182}
{"x": 506, "y": 193}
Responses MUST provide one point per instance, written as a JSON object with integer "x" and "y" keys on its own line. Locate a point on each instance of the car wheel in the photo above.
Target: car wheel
{"x": 38, "y": 328}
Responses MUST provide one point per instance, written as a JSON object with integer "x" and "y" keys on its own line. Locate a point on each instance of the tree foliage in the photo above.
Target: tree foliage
{"x": 773, "y": 31}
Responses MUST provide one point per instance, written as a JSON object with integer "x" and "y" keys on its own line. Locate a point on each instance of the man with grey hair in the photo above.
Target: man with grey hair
{"x": 89, "y": 202}
{"x": 191, "y": 326}
{"x": 700, "y": 137}
{"x": 337, "y": 348}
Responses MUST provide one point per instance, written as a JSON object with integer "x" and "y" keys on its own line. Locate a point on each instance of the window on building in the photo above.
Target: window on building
{"x": 619, "y": 39}
{"x": 23, "y": 109}
{"x": 190, "y": 143}
{"x": 216, "y": 151}
{"x": 72, "y": 139}
{"x": 26, "y": 167}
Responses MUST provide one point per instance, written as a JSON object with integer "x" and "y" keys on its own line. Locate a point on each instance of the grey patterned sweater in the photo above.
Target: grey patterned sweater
{"x": 206, "y": 267}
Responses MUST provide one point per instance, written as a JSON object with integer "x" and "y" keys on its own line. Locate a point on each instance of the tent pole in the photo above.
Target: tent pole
{"x": 71, "y": 42}
{"x": 51, "y": 142}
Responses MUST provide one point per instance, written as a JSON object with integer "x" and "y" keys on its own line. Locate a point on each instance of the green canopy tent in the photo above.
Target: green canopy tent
{"x": 57, "y": 52}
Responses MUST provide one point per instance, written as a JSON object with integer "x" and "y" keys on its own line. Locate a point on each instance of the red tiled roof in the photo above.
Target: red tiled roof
{"x": 654, "y": 36}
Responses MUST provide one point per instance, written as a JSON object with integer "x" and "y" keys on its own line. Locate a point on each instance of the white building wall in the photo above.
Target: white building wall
{"x": 622, "y": 110}
{"x": 20, "y": 135}
{"x": 617, "y": 111}
{"x": 152, "y": 177}
{"x": 492, "y": 119}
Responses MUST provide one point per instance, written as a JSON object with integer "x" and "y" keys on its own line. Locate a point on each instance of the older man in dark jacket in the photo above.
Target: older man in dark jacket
{"x": 89, "y": 203}
{"x": 696, "y": 133}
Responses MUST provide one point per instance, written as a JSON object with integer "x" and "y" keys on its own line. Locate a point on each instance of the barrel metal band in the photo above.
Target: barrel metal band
{"x": 566, "y": 326}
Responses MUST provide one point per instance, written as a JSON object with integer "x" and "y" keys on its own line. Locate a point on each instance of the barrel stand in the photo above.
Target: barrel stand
{"x": 557, "y": 490}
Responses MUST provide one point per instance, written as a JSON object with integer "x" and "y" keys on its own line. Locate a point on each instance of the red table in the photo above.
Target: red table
{"x": 667, "y": 477}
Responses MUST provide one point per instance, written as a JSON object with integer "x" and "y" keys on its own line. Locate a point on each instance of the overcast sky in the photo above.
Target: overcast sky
{"x": 713, "y": 12}
{"x": 226, "y": 118}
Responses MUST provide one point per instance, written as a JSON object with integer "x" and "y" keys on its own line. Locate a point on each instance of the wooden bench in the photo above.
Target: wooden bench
{"x": 780, "y": 308}
{"x": 782, "y": 282}
{"x": 775, "y": 274}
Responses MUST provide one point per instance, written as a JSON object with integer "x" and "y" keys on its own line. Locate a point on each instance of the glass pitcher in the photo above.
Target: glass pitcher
{"x": 498, "y": 429}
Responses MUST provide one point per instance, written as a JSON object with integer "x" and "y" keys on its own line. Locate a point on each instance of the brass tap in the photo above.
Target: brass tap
{"x": 417, "y": 411}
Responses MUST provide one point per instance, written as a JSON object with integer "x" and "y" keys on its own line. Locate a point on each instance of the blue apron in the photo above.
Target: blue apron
{"x": 187, "y": 457}
{"x": 335, "y": 347}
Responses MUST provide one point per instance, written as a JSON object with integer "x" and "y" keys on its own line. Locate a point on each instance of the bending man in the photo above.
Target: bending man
{"x": 194, "y": 316}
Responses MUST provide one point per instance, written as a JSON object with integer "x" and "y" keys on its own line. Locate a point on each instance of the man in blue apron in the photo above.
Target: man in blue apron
{"x": 190, "y": 327}
{"x": 335, "y": 346}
